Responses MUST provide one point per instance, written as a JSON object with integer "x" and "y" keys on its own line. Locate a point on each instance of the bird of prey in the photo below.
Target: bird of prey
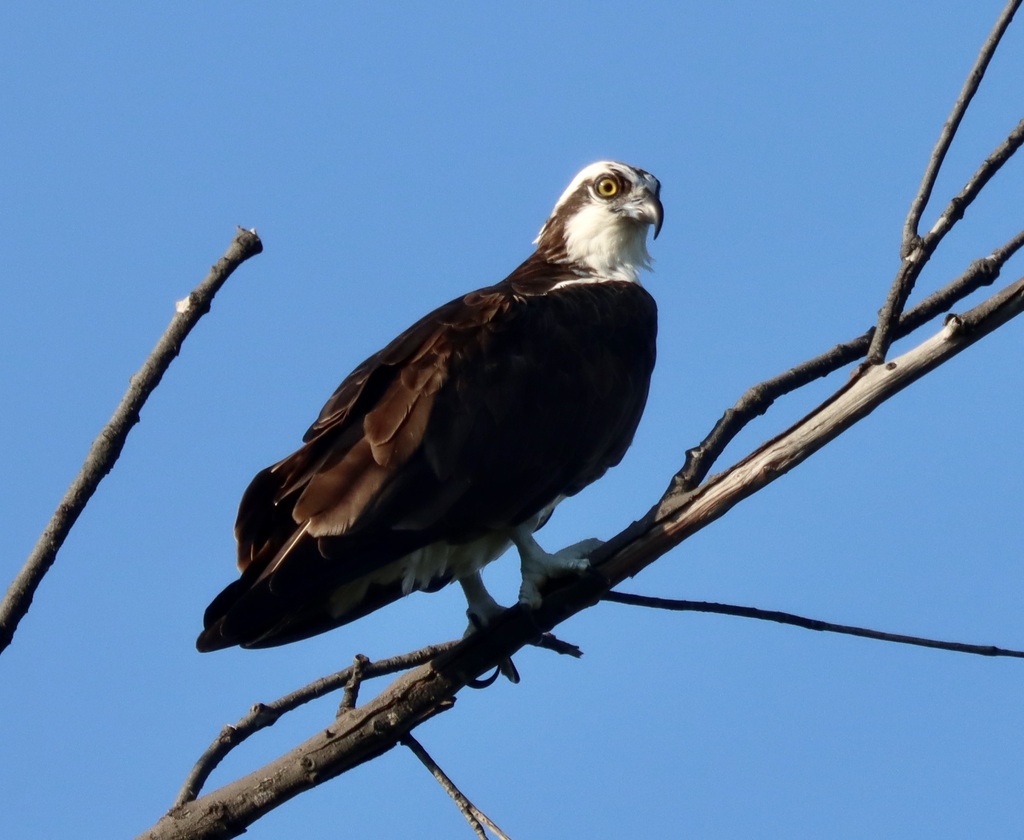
{"x": 458, "y": 439}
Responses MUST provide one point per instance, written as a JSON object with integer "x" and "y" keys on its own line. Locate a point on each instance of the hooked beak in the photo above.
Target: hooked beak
{"x": 650, "y": 210}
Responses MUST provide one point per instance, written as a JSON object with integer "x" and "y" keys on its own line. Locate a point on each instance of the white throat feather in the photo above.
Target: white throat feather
{"x": 603, "y": 238}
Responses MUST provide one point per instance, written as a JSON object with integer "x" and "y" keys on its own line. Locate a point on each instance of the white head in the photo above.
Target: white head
{"x": 599, "y": 225}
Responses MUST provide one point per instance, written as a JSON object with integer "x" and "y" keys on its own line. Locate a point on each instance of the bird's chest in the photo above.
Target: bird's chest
{"x": 580, "y": 339}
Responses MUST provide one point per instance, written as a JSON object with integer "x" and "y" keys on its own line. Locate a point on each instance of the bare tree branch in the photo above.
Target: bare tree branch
{"x": 913, "y": 265}
{"x": 107, "y": 447}
{"x": 476, "y": 818}
{"x": 352, "y": 685}
{"x": 262, "y": 715}
{"x": 758, "y": 399}
{"x": 683, "y": 512}
{"x": 678, "y": 605}
{"x": 549, "y": 641}
{"x": 380, "y": 724}
{"x": 938, "y": 156}
{"x": 915, "y": 249}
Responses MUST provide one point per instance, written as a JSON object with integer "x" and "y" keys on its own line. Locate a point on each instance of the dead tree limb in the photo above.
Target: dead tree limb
{"x": 914, "y": 248}
{"x": 262, "y": 715}
{"x": 949, "y": 129}
{"x": 758, "y": 399}
{"x": 107, "y": 446}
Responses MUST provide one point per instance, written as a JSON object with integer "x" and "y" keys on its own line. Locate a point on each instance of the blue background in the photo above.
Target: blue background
{"x": 393, "y": 156}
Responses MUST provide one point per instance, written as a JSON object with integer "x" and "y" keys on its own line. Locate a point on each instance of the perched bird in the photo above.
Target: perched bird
{"x": 458, "y": 439}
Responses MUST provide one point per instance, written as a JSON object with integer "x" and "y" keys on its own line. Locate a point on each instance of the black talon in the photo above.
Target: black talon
{"x": 488, "y": 681}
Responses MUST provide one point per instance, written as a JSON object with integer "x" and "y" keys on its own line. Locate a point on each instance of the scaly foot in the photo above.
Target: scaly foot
{"x": 539, "y": 566}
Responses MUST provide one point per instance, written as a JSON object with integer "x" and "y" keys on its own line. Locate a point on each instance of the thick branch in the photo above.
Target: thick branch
{"x": 358, "y": 736}
{"x": 107, "y": 447}
{"x": 262, "y": 715}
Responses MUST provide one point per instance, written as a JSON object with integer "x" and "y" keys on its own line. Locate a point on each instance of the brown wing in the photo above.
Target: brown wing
{"x": 473, "y": 420}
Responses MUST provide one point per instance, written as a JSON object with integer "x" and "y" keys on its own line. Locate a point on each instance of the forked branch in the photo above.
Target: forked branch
{"x": 938, "y": 156}
{"x": 912, "y": 266}
{"x": 758, "y": 399}
{"x": 915, "y": 250}
{"x": 262, "y": 715}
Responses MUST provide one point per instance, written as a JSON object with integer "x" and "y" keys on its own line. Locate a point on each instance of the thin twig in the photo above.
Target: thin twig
{"x": 971, "y": 84}
{"x": 474, "y": 816}
{"x": 351, "y": 695}
{"x": 549, "y": 641}
{"x": 915, "y": 250}
{"x": 758, "y": 399}
{"x": 922, "y": 249}
{"x": 107, "y": 447}
{"x": 262, "y": 715}
{"x": 912, "y": 266}
{"x": 678, "y": 605}
{"x": 954, "y": 211}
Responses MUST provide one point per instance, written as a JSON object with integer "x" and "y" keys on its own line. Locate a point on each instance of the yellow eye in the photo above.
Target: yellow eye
{"x": 607, "y": 187}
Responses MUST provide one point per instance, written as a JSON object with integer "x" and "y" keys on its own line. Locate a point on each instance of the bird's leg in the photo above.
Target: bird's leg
{"x": 481, "y": 607}
{"x": 481, "y": 610}
{"x": 538, "y": 565}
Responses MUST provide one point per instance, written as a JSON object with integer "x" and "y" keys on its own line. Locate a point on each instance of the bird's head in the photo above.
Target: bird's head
{"x": 599, "y": 225}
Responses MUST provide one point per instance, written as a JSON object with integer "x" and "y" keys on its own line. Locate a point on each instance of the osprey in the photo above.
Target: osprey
{"x": 458, "y": 439}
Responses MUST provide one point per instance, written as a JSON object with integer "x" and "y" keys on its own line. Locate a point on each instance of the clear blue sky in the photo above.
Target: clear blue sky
{"x": 393, "y": 156}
